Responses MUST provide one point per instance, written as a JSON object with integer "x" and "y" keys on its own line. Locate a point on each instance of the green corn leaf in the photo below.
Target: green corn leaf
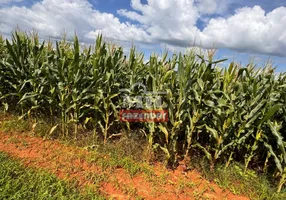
{"x": 213, "y": 132}
{"x": 207, "y": 154}
{"x": 274, "y": 127}
{"x": 165, "y": 131}
{"x": 276, "y": 159}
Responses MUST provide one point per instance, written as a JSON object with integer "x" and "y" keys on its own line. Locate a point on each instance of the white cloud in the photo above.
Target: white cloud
{"x": 172, "y": 22}
{"x": 53, "y": 17}
{"x": 165, "y": 20}
{"x": 249, "y": 29}
{"x": 175, "y": 23}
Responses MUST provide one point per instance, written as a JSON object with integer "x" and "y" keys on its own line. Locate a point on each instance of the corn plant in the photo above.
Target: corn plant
{"x": 232, "y": 114}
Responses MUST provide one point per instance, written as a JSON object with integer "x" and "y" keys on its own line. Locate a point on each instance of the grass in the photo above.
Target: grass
{"x": 125, "y": 153}
{"x": 15, "y": 124}
{"x": 18, "y": 182}
{"x": 251, "y": 184}
{"x": 116, "y": 157}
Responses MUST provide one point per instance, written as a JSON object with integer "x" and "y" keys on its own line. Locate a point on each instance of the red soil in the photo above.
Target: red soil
{"x": 71, "y": 163}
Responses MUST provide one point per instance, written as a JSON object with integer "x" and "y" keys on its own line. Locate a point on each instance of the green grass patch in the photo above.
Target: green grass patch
{"x": 18, "y": 182}
{"x": 112, "y": 160}
{"x": 14, "y": 124}
{"x": 255, "y": 186}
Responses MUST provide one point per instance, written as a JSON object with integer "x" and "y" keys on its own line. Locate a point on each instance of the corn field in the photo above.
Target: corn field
{"x": 233, "y": 114}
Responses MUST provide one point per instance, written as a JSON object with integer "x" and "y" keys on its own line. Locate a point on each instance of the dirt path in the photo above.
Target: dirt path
{"x": 73, "y": 164}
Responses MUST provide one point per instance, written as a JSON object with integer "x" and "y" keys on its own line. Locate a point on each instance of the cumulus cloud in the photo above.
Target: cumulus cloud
{"x": 171, "y": 22}
{"x": 249, "y": 29}
{"x": 165, "y": 21}
{"x": 53, "y": 17}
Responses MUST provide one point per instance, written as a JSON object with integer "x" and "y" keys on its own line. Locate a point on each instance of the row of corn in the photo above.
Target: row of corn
{"x": 224, "y": 114}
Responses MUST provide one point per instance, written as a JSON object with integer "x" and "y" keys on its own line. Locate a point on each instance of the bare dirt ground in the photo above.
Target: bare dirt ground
{"x": 73, "y": 164}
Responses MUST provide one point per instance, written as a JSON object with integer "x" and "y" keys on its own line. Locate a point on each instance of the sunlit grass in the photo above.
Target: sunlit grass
{"x": 19, "y": 182}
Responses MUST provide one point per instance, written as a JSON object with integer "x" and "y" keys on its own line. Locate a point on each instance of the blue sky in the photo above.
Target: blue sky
{"x": 240, "y": 30}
